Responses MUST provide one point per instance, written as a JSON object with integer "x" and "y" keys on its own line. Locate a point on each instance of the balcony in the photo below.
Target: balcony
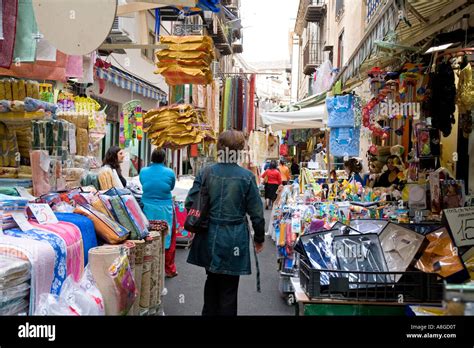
{"x": 372, "y": 8}
{"x": 315, "y": 11}
{"x": 312, "y": 57}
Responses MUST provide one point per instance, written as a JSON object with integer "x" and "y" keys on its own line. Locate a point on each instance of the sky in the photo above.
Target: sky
{"x": 266, "y": 26}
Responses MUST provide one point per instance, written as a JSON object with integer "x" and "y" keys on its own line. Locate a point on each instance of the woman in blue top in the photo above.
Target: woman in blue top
{"x": 158, "y": 181}
{"x": 353, "y": 168}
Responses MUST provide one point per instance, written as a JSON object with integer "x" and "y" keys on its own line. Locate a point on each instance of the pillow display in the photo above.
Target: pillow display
{"x": 107, "y": 229}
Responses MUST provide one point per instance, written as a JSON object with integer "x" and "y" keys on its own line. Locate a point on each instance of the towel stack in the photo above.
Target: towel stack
{"x": 14, "y": 285}
{"x": 187, "y": 60}
{"x": 177, "y": 126}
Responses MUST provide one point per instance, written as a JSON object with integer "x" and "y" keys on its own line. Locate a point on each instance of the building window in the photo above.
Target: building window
{"x": 340, "y": 50}
{"x": 339, "y": 9}
{"x": 149, "y": 53}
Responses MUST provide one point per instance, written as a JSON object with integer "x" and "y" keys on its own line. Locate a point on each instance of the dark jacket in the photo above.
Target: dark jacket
{"x": 233, "y": 194}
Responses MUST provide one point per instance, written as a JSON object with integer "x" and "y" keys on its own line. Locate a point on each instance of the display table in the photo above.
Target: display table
{"x": 323, "y": 307}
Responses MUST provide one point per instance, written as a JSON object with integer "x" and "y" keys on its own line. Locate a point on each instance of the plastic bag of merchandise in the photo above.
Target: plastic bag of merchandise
{"x": 82, "y": 298}
{"x": 121, "y": 273}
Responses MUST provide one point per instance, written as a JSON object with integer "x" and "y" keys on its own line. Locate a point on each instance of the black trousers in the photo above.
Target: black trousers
{"x": 220, "y": 294}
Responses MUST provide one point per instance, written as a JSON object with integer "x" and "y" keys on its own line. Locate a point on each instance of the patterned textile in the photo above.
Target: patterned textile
{"x": 71, "y": 234}
{"x": 42, "y": 259}
{"x": 9, "y": 14}
{"x": 26, "y": 29}
{"x": 123, "y": 217}
{"x": 86, "y": 226}
{"x": 59, "y": 246}
{"x": 345, "y": 141}
{"x": 340, "y": 111}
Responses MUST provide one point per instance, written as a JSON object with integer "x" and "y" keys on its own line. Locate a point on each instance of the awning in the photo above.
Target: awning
{"x": 129, "y": 82}
{"x": 314, "y": 117}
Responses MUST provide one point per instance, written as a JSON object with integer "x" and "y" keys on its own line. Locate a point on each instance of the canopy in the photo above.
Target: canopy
{"x": 313, "y": 117}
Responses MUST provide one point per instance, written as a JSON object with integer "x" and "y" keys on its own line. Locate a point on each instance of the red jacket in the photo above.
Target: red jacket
{"x": 274, "y": 176}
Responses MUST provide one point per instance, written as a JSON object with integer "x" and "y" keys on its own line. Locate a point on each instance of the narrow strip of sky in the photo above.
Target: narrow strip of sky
{"x": 266, "y": 26}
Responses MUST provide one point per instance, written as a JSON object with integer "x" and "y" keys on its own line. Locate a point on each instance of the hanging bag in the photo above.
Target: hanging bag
{"x": 197, "y": 220}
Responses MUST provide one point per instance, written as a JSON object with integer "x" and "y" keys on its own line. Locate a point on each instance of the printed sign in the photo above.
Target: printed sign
{"x": 461, "y": 223}
{"x": 22, "y": 221}
{"x": 43, "y": 213}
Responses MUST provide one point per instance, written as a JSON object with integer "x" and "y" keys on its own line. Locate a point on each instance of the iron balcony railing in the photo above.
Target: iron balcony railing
{"x": 312, "y": 56}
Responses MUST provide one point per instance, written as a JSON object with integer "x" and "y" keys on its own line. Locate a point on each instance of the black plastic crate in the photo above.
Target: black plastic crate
{"x": 400, "y": 287}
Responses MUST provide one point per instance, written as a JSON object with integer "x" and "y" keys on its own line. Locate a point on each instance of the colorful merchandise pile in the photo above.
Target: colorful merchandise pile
{"x": 187, "y": 60}
{"x": 177, "y": 126}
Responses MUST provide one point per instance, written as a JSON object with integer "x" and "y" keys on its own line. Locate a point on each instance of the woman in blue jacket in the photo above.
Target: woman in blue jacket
{"x": 158, "y": 181}
{"x": 224, "y": 249}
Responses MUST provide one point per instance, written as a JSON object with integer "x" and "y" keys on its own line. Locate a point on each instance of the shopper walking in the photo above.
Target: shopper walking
{"x": 224, "y": 249}
{"x": 285, "y": 173}
{"x": 158, "y": 181}
{"x": 272, "y": 177}
{"x": 110, "y": 175}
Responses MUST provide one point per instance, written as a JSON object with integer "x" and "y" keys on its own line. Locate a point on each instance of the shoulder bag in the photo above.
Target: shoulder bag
{"x": 197, "y": 220}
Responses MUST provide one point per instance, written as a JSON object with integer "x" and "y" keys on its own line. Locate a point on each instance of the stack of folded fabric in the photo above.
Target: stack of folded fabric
{"x": 177, "y": 126}
{"x": 187, "y": 60}
{"x": 14, "y": 285}
{"x": 10, "y": 205}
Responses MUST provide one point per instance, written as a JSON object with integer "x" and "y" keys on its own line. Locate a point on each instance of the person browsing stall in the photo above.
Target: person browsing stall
{"x": 158, "y": 181}
{"x": 353, "y": 168}
{"x": 110, "y": 175}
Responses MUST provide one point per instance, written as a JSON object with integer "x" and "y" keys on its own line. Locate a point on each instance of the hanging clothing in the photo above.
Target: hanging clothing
{"x": 240, "y": 104}
{"x": 74, "y": 67}
{"x": 245, "y": 106}
{"x": 26, "y": 29}
{"x": 9, "y": 15}
{"x": 227, "y": 96}
{"x": 251, "y": 114}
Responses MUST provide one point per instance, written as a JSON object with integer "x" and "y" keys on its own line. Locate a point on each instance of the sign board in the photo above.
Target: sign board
{"x": 22, "y": 221}
{"x": 461, "y": 223}
{"x": 43, "y": 213}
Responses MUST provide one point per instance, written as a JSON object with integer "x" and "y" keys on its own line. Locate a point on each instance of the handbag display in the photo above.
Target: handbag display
{"x": 197, "y": 220}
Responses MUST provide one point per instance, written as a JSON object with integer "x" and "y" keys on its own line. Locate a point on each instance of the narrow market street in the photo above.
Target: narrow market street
{"x": 185, "y": 292}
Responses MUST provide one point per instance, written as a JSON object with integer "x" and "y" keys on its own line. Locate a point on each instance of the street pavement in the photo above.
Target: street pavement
{"x": 185, "y": 292}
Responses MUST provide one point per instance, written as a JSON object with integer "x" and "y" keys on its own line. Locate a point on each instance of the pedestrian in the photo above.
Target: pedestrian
{"x": 272, "y": 177}
{"x": 158, "y": 181}
{"x": 224, "y": 249}
{"x": 295, "y": 168}
{"x": 110, "y": 175}
{"x": 285, "y": 172}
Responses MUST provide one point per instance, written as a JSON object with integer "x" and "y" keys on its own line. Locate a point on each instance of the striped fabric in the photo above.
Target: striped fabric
{"x": 130, "y": 83}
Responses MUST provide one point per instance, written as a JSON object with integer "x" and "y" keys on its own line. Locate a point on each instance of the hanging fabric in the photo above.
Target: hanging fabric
{"x": 26, "y": 31}
{"x": 228, "y": 90}
{"x": 9, "y": 14}
{"x": 245, "y": 106}
{"x": 40, "y": 70}
{"x": 251, "y": 104}
{"x": 74, "y": 67}
{"x": 240, "y": 105}
{"x": 235, "y": 87}
{"x": 45, "y": 51}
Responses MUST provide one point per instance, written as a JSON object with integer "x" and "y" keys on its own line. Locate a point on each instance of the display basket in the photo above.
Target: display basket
{"x": 411, "y": 287}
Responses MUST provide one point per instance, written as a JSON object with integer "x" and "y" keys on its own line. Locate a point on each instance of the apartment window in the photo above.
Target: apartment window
{"x": 149, "y": 53}
{"x": 339, "y": 9}
{"x": 340, "y": 50}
